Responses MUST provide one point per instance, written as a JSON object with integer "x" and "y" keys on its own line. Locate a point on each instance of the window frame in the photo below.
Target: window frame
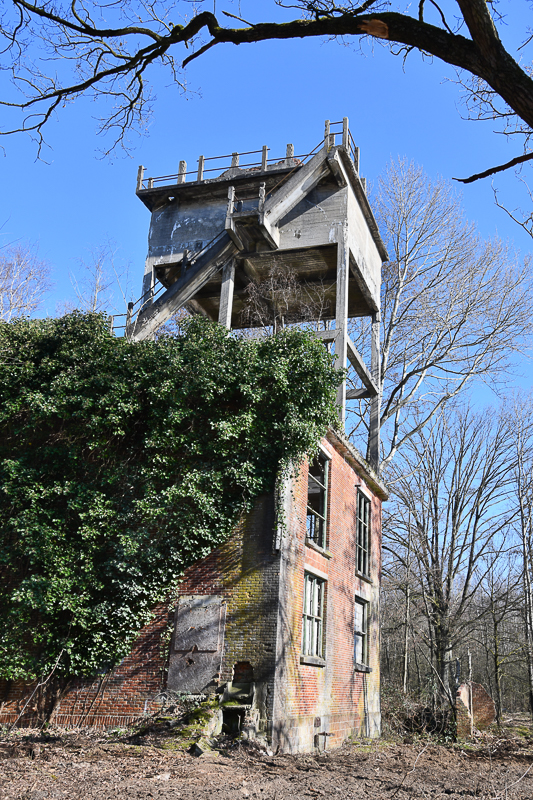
{"x": 363, "y": 534}
{"x": 313, "y": 621}
{"x": 321, "y": 540}
{"x": 361, "y": 635}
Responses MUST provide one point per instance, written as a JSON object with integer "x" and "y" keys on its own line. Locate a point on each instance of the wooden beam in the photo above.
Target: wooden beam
{"x": 226, "y": 294}
{"x": 341, "y": 313}
{"x": 184, "y": 288}
{"x": 335, "y": 164}
{"x": 357, "y": 394}
{"x": 375, "y": 405}
{"x": 195, "y": 308}
{"x": 356, "y": 360}
{"x": 298, "y": 186}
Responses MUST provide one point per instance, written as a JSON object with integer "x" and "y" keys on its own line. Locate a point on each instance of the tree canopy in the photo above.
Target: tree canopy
{"x": 122, "y": 464}
{"x": 108, "y": 49}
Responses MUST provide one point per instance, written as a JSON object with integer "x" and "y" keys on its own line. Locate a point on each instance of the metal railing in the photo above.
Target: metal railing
{"x": 336, "y": 133}
{"x": 146, "y": 300}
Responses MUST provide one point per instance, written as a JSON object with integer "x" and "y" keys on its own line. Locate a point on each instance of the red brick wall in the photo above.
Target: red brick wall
{"x": 263, "y": 591}
{"x": 332, "y": 699}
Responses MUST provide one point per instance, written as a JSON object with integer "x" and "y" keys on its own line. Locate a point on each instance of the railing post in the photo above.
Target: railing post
{"x": 182, "y": 169}
{"x": 326, "y": 133}
{"x": 345, "y": 134}
{"x": 201, "y": 162}
{"x": 150, "y": 183}
{"x": 264, "y": 158}
{"x": 234, "y": 159}
{"x": 289, "y": 154}
{"x": 129, "y": 313}
{"x": 140, "y": 176}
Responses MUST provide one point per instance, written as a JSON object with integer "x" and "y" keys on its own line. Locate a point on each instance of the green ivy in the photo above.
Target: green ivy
{"x": 122, "y": 464}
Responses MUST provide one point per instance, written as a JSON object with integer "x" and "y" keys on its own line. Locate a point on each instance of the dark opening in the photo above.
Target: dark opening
{"x": 232, "y": 719}
{"x": 243, "y": 672}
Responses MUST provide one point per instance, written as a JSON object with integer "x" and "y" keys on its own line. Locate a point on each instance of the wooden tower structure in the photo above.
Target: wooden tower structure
{"x": 230, "y": 221}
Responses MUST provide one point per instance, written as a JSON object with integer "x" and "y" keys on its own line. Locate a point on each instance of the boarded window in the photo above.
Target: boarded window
{"x": 198, "y": 623}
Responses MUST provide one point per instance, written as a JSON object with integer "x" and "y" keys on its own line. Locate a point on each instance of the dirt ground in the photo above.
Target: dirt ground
{"x": 87, "y": 765}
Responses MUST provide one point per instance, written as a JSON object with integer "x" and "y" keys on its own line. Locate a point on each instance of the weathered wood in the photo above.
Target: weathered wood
{"x": 298, "y": 186}
{"x": 357, "y": 394}
{"x": 182, "y": 169}
{"x": 345, "y": 134}
{"x": 226, "y": 294}
{"x": 148, "y": 285}
{"x": 140, "y": 176}
{"x": 264, "y": 158}
{"x": 356, "y": 360}
{"x": 375, "y": 405}
{"x": 337, "y": 168}
{"x": 195, "y": 308}
{"x": 184, "y": 288}
{"x": 201, "y": 163}
{"x": 341, "y": 314}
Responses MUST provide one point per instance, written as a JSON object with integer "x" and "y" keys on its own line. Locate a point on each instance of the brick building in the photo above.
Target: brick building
{"x": 282, "y": 620}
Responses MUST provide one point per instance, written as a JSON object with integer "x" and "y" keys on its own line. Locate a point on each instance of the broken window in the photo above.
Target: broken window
{"x": 317, "y": 500}
{"x": 360, "y": 632}
{"x": 362, "y": 549}
{"x": 313, "y": 615}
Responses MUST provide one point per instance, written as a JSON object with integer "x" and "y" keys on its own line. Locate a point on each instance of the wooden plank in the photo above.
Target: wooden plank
{"x": 226, "y": 294}
{"x": 184, "y": 289}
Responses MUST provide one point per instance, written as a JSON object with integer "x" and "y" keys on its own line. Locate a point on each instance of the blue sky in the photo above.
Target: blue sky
{"x": 241, "y": 98}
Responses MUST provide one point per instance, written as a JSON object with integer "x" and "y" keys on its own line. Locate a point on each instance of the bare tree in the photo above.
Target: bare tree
{"x": 522, "y": 420}
{"x": 453, "y": 308}
{"x": 280, "y": 299}
{"x": 56, "y": 53}
{"x": 96, "y": 281}
{"x": 451, "y": 511}
{"x": 24, "y": 279}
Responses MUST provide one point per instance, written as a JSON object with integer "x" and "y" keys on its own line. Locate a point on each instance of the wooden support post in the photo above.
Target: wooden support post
{"x": 182, "y": 169}
{"x": 345, "y": 132}
{"x": 264, "y": 158}
{"x": 341, "y": 314}
{"x": 326, "y": 133}
{"x": 201, "y": 162}
{"x": 226, "y": 294}
{"x": 148, "y": 286}
{"x": 375, "y": 403}
{"x": 231, "y": 201}
{"x": 140, "y": 177}
{"x": 150, "y": 183}
{"x": 262, "y": 195}
{"x": 234, "y": 159}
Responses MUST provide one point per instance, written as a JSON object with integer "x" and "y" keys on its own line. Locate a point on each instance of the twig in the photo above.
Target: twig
{"x": 412, "y": 770}
{"x": 42, "y": 683}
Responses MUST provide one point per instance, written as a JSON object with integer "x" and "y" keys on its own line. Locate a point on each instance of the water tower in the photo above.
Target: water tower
{"x": 235, "y": 218}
